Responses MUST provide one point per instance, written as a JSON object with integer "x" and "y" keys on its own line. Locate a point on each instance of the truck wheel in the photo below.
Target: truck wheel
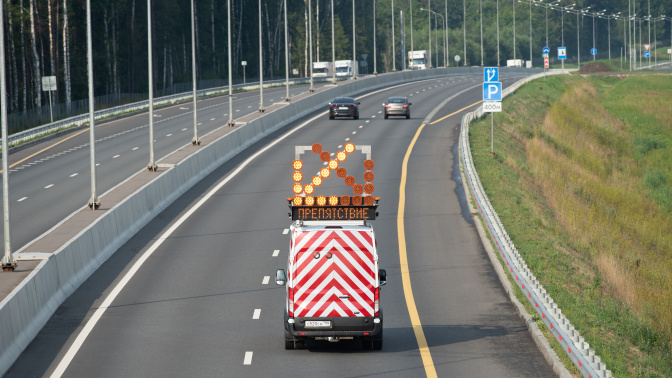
{"x": 356, "y": 117}
{"x": 299, "y": 344}
{"x": 377, "y": 343}
{"x": 408, "y": 115}
{"x": 289, "y": 344}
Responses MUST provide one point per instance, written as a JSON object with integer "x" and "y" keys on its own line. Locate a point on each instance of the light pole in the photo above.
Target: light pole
{"x": 195, "y": 139}
{"x": 261, "y": 67}
{"x": 375, "y": 72}
{"x": 514, "y": 29}
{"x": 310, "y": 39}
{"x": 228, "y": 27}
{"x": 410, "y": 4}
{"x": 287, "y": 57}
{"x": 429, "y": 32}
{"x": 8, "y": 263}
{"x": 394, "y": 47}
{"x": 152, "y": 164}
{"x": 480, "y": 12}
{"x": 354, "y": 44}
{"x": 497, "y": 33}
{"x": 578, "y": 40}
{"x": 333, "y": 46}
{"x": 614, "y": 16}
{"x": 445, "y": 29}
{"x": 600, "y": 13}
{"x": 436, "y": 39}
{"x": 464, "y": 25}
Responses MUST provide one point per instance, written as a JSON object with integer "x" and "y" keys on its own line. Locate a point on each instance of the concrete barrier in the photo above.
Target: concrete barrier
{"x": 29, "y": 306}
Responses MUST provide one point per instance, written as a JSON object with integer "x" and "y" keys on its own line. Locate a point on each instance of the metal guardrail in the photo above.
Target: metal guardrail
{"x": 584, "y": 358}
{"x": 110, "y": 112}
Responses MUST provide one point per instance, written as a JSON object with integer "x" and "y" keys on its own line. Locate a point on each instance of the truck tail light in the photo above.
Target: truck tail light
{"x": 376, "y": 302}
{"x": 405, "y": 106}
{"x": 387, "y": 105}
{"x": 290, "y": 307}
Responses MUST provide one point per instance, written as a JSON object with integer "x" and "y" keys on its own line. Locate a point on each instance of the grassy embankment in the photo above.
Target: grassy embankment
{"x": 582, "y": 180}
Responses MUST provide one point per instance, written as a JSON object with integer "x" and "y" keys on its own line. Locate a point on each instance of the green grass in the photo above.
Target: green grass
{"x": 582, "y": 180}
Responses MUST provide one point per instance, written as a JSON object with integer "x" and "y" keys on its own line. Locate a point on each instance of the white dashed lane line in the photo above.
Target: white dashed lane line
{"x": 276, "y": 252}
{"x": 22, "y": 199}
{"x": 257, "y": 313}
{"x": 48, "y": 186}
{"x": 169, "y": 135}
{"x": 248, "y": 358}
{"x": 354, "y": 132}
{"x": 360, "y": 126}
{"x": 347, "y": 139}
{"x": 266, "y": 279}
{"x": 74, "y": 174}
{"x": 285, "y": 231}
{"x": 115, "y": 156}
{"x": 212, "y": 119}
{"x": 135, "y": 148}
{"x": 185, "y": 129}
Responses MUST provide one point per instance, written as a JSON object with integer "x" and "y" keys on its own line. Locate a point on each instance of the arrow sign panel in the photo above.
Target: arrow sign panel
{"x": 492, "y": 91}
{"x": 546, "y": 50}
{"x": 490, "y": 74}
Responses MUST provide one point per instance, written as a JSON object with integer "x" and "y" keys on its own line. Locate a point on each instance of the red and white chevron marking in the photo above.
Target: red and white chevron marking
{"x": 330, "y": 265}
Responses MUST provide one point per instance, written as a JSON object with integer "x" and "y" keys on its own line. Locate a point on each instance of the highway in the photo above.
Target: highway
{"x": 192, "y": 294}
{"x": 57, "y": 170}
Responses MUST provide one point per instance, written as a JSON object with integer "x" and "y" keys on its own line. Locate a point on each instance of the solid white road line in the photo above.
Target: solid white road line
{"x": 91, "y": 323}
{"x": 248, "y": 358}
{"x": 257, "y": 313}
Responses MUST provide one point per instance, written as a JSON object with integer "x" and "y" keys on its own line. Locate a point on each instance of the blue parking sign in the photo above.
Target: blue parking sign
{"x": 492, "y": 91}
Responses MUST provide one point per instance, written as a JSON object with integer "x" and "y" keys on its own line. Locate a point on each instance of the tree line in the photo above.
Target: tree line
{"x": 48, "y": 38}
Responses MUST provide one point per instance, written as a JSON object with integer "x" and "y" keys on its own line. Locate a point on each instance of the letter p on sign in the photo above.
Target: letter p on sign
{"x": 492, "y": 91}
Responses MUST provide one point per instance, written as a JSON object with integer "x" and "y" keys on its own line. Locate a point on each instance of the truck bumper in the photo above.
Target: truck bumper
{"x": 340, "y": 327}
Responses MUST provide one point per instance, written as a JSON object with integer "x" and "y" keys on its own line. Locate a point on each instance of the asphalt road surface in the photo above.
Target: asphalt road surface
{"x": 203, "y": 302}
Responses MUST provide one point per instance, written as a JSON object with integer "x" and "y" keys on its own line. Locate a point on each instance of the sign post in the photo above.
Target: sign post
{"x": 49, "y": 84}
{"x": 492, "y": 99}
{"x": 562, "y": 55}
{"x": 244, "y": 63}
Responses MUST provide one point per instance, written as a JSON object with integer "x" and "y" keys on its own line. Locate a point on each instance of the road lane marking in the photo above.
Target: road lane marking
{"x": 276, "y": 252}
{"x": 248, "y": 358}
{"x": 48, "y": 186}
{"x": 266, "y": 279}
{"x": 135, "y": 148}
{"x": 22, "y": 199}
{"x": 354, "y": 132}
{"x": 425, "y": 354}
{"x": 115, "y": 156}
{"x": 360, "y": 126}
{"x": 347, "y": 139}
{"x": 74, "y": 174}
{"x": 257, "y": 313}
{"x": 169, "y": 135}
{"x": 285, "y": 231}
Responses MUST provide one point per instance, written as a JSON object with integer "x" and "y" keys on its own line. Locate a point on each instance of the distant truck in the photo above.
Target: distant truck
{"x": 515, "y": 63}
{"x": 417, "y": 60}
{"x": 345, "y": 68}
{"x": 323, "y": 69}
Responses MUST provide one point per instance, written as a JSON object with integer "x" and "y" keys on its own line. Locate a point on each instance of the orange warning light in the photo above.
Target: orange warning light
{"x": 310, "y": 201}
{"x": 321, "y": 200}
{"x": 368, "y": 176}
{"x": 368, "y": 200}
{"x": 333, "y": 164}
{"x": 368, "y": 164}
{"x": 357, "y": 200}
{"x": 368, "y": 188}
{"x": 345, "y": 200}
{"x": 324, "y": 172}
{"x": 349, "y": 147}
{"x": 340, "y": 156}
{"x": 297, "y": 164}
{"x": 317, "y": 148}
{"x": 324, "y": 156}
{"x": 350, "y": 180}
{"x": 309, "y": 189}
{"x": 317, "y": 180}
{"x": 357, "y": 188}
{"x": 297, "y": 188}
{"x": 341, "y": 172}
{"x": 333, "y": 200}
{"x": 297, "y": 176}
{"x": 298, "y": 201}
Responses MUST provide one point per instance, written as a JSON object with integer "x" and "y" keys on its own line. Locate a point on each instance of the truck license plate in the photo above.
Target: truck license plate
{"x": 318, "y": 323}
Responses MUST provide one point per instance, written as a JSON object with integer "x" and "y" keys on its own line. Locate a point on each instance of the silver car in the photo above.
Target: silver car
{"x": 397, "y": 106}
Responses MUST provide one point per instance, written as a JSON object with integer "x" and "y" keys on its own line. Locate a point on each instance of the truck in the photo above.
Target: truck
{"x": 332, "y": 280}
{"x": 417, "y": 60}
{"x": 323, "y": 69}
{"x": 515, "y": 63}
{"x": 345, "y": 68}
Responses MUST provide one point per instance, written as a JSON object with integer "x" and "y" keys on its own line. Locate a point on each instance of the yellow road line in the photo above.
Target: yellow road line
{"x": 452, "y": 114}
{"x": 403, "y": 260}
{"x": 425, "y": 354}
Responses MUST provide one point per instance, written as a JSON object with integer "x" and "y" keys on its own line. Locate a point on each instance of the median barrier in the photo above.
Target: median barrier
{"x": 29, "y": 306}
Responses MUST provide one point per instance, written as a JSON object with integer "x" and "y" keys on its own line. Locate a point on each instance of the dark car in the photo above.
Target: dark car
{"x": 397, "y": 106}
{"x": 344, "y": 107}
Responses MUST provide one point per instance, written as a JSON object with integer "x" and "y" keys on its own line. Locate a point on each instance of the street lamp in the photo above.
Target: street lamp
{"x": 578, "y": 40}
{"x": 600, "y": 13}
{"x": 429, "y": 32}
{"x": 333, "y": 46}
{"x": 514, "y": 29}
{"x": 287, "y": 57}
{"x": 374, "y": 37}
{"x": 152, "y": 164}
{"x": 480, "y": 12}
{"x": 310, "y": 39}
{"x": 614, "y": 16}
{"x": 354, "y": 44}
{"x": 497, "y": 33}
{"x": 538, "y": 3}
{"x": 394, "y": 47}
{"x": 195, "y": 139}
{"x": 261, "y": 67}
{"x": 443, "y": 22}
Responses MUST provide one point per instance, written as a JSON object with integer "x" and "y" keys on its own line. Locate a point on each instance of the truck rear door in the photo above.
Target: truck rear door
{"x": 334, "y": 273}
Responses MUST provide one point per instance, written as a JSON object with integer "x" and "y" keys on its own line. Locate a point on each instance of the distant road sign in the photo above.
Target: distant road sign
{"x": 646, "y": 47}
{"x": 492, "y": 91}
{"x": 544, "y": 55}
{"x": 593, "y": 51}
{"x": 457, "y": 58}
{"x": 546, "y": 62}
{"x": 490, "y": 74}
{"x": 48, "y": 83}
{"x": 545, "y": 50}
{"x": 492, "y": 106}
{"x": 562, "y": 53}
{"x": 669, "y": 51}
{"x": 647, "y": 54}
